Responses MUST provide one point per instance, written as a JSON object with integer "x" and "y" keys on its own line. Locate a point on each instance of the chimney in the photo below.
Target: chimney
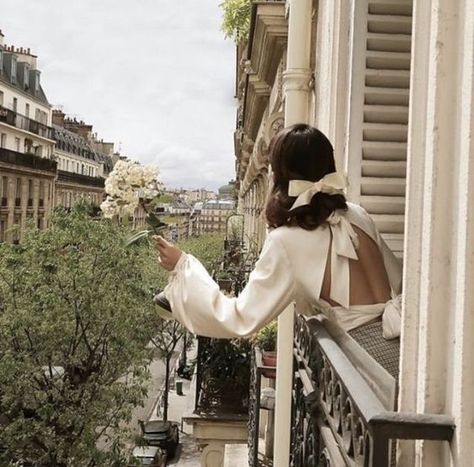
{"x": 58, "y": 117}
{"x": 80, "y": 128}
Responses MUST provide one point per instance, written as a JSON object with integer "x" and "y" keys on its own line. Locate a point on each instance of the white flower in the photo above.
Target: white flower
{"x": 126, "y": 184}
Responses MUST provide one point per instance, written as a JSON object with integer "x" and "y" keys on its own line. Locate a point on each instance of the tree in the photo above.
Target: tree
{"x": 167, "y": 335}
{"x": 75, "y": 306}
{"x": 236, "y": 22}
{"x": 207, "y": 248}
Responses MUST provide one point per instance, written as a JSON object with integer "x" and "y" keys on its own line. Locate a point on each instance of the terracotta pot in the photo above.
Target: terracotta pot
{"x": 269, "y": 358}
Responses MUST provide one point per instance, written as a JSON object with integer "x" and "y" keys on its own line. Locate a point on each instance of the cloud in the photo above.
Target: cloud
{"x": 155, "y": 75}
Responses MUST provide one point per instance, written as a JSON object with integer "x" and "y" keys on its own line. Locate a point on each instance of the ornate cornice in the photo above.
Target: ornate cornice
{"x": 268, "y": 37}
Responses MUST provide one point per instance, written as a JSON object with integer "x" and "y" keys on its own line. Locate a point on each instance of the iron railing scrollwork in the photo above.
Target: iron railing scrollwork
{"x": 337, "y": 419}
{"x": 254, "y": 411}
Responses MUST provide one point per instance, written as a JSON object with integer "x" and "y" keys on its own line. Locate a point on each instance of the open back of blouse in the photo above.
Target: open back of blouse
{"x": 342, "y": 269}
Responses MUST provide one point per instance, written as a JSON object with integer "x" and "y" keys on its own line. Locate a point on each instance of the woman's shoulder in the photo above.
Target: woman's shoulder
{"x": 293, "y": 235}
{"x": 358, "y": 216}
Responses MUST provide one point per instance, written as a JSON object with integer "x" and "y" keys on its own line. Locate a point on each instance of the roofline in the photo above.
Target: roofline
{"x": 21, "y": 91}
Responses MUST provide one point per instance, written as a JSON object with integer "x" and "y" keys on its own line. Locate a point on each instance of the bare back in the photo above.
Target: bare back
{"x": 369, "y": 283}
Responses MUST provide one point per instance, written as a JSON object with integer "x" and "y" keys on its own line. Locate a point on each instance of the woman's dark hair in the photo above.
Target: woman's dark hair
{"x": 300, "y": 152}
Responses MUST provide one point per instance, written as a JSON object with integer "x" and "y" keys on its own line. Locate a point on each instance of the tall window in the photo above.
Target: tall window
{"x": 15, "y": 104}
{"x": 17, "y": 144}
{"x": 18, "y": 192}
{"x": 3, "y": 140}
{"x": 30, "y": 192}
{"x": 27, "y": 110}
{"x": 41, "y": 194}
{"x": 1, "y": 97}
{"x": 4, "y": 187}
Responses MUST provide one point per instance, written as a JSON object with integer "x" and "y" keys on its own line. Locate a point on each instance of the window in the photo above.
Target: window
{"x": 3, "y": 227}
{"x": 13, "y": 70}
{"x": 18, "y": 192}
{"x": 1, "y": 95}
{"x": 30, "y": 193}
{"x": 15, "y": 104}
{"x": 17, "y": 144}
{"x": 41, "y": 194}
{"x": 3, "y": 140}
{"x": 27, "y": 110}
{"x": 29, "y": 146}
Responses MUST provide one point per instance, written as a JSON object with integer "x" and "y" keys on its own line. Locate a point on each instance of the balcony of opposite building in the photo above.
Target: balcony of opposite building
{"x": 27, "y": 160}
{"x": 12, "y": 118}
{"x": 80, "y": 179}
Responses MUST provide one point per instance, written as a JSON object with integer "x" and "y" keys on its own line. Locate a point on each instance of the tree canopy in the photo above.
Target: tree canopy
{"x": 75, "y": 314}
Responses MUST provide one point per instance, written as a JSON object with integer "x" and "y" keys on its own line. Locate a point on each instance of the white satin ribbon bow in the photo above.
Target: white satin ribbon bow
{"x": 332, "y": 184}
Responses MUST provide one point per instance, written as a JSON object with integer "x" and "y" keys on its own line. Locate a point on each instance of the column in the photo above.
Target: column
{"x": 296, "y": 85}
{"x": 35, "y": 200}
{"x": 11, "y": 206}
{"x": 24, "y": 205}
{"x": 437, "y": 367}
{"x": 48, "y": 199}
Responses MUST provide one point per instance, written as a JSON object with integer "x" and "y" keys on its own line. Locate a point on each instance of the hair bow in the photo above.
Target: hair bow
{"x": 332, "y": 184}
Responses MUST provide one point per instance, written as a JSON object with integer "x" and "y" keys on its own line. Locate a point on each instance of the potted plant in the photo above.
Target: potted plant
{"x": 266, "y": 340}
{"x": 224, "y": 280}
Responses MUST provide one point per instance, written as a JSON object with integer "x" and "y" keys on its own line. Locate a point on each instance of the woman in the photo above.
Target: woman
{"x": 322, "y": 252}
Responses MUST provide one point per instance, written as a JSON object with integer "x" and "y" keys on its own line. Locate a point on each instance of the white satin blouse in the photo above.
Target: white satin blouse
{"x": 290, "y": 268}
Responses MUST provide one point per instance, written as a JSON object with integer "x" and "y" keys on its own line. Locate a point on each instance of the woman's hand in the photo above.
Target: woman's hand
{"x": 169, "y": 254}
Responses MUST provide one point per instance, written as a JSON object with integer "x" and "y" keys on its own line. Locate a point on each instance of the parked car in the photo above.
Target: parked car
{"x": 162, "y": 434}
{"x": 152, "y": 456}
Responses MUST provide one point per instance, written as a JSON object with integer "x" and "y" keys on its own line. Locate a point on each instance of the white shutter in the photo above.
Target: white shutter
{"x": 385, "y": 117}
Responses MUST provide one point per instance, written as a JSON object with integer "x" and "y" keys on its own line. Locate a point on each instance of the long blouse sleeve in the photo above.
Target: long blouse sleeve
{"x": 200, "y": 306}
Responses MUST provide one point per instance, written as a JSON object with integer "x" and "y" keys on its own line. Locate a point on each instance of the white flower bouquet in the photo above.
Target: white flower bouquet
{"x": 127, "y": 187}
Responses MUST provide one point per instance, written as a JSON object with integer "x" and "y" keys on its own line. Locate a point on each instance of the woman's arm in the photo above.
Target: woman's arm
{"x": 199, "y": 305}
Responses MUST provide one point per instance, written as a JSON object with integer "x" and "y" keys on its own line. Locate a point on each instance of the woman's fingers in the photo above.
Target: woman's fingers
{"x": 169, "y": 254}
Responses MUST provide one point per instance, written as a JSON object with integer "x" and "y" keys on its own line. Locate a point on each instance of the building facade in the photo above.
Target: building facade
{"x": 27, "y": 168}
{"x": 391, "y": 84}
{"x": 80, "y": 169}
{"x": 212, "y": 216}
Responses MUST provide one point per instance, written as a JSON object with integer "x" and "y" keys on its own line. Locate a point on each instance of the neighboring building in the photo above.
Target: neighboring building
{"x": 80, "y": 169}
{"x": 27, "y": 168}
{"x": 191, "y": 196}
{"x": 179, "y": 207}
{"x": 213, "y": 215}
{"x": 228, "y": 192}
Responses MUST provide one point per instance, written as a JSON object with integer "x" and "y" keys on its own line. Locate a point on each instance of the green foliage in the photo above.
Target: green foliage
{"x": 266, "y": 338}
{"x": 164, "y": 198}
{"x": 225, "y": 373}
{"x": 236, "y": 21}
{"x": 207, "y": 248}
{"x": 75, "y": 314}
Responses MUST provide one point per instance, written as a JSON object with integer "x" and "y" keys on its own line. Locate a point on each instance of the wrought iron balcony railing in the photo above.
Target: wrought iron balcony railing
{"x": 80, "y": 179}
{"x": 30, "y": 161}
{"x": 10, "y": 117}
{"x": 337, "y": 417}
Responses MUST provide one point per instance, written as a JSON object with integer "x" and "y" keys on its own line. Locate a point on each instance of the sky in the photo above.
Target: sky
{"x": 154, "y": 76}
